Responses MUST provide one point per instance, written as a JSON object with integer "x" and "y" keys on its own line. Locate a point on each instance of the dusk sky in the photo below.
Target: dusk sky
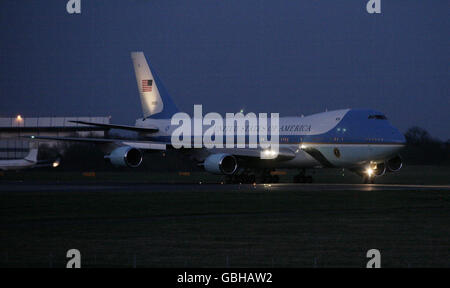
{"x": 289, "y": 56}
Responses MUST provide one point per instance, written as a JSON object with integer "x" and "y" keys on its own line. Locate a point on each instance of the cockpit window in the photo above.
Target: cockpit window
{"x": 378, "y": 117}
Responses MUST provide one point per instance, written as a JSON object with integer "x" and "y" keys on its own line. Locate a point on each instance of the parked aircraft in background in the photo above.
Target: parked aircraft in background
{"x": 361, "y": 140}
{"x": 30, "y": 161}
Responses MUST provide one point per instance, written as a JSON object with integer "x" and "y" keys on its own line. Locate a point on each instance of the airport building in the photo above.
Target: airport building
{"x": 13, "y": 146}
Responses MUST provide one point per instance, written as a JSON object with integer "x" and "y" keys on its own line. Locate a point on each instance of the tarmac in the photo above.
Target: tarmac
{"x": 279, "y": 187}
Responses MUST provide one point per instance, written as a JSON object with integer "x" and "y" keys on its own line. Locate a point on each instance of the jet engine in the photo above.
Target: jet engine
{"x": 125, "y": 156}
{"x": 394, "y": 164}
{"x": 221, "y": 164}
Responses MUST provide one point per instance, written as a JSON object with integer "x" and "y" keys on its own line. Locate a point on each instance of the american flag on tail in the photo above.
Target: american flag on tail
{"x": 147, "y": 85}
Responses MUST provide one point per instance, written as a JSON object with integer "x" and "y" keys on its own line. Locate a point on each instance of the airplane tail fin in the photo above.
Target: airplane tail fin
{"x": 32, "y": 155}
{"x": 155, "y": 101}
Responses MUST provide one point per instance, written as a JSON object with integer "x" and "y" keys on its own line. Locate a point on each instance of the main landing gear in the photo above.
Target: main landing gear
{"x": 249, "y": 177}
{"x": 267, "y": 177}
{"x": 301, "y": 177}
{"x": 242, "y": 178}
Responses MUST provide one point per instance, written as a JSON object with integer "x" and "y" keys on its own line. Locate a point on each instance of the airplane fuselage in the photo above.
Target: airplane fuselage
{"x": 340, "y": 138}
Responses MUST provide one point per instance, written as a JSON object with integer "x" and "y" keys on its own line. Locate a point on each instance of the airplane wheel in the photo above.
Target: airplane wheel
{"x": 248, "y": 179}
{"x": 303, "y": 179}
{"x": 241, "y": 179}
{"x": 265, "y": 179}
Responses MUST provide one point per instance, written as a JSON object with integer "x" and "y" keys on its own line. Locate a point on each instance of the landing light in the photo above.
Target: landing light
{"x": 19, "y": 118}
{"x": 369, "y": 172}
{"x": 269, "y": 153}
{"x": 55, "y": 164}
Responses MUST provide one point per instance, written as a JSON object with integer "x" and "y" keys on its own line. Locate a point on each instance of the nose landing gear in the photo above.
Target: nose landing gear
{"x": 368, "y": 180}
{"x": 367, "y": 175}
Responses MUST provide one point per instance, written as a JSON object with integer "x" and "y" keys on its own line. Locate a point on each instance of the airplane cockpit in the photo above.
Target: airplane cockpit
{"x": 378, "y": 117}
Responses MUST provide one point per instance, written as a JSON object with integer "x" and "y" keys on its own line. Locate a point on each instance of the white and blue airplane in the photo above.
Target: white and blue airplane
{"x": 360, "y": 140}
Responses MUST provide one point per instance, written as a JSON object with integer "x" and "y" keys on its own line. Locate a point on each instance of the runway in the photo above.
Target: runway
{"x": 191, "y": 225}
{"x": 139, "y": 187}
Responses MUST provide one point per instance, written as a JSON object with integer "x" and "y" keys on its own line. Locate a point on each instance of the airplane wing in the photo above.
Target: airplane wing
{"x": 122, "y": 127}
{"x": 316, "y": 154}
{"x": 283, "y": 154}
{"x": 145, "y": 145}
